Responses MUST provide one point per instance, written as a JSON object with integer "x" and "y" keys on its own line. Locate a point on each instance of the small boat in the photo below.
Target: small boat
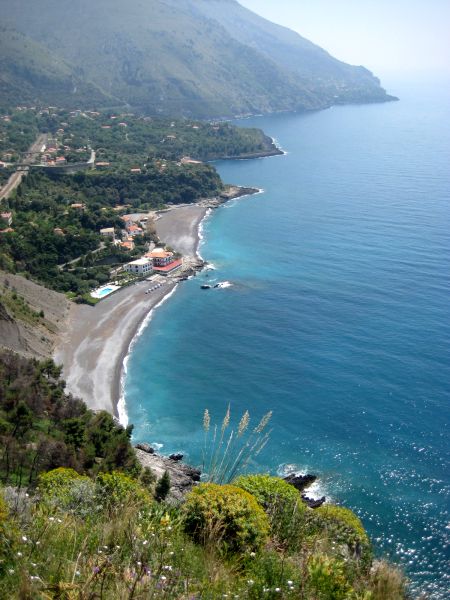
{"x": 205, "y": 287}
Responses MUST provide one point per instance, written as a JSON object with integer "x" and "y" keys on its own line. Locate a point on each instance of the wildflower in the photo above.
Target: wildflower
{"x": 19, "y": 554}
{"x": 277, "y": 590}
{"x": 165, "y": 520}
{"x": 145, "y": 542}
{"x": 206, "y": 420}
{"x": 289, "y": 582}
{"x": 77, "y": 573}
{"x": 163, "y": 578}
{"x": 252, "y": 554}
{"x": 250, "y": 582}
{"x": 167, "y": 567}
{"x": 51, "y": 518}
{"x": 96, "y": 570}
{"x": 11, "y": 571}
{"x": 171, "y": 553}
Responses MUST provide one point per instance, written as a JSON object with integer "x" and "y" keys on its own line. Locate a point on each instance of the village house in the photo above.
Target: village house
{"x": 127, "y": 245}
{"x": 139, "y": 267}
{"x": 108, "y": 232}
{"x": 6, "y": 217}
{"x": 134, "y": 229}
{"x": 78, "y": 206}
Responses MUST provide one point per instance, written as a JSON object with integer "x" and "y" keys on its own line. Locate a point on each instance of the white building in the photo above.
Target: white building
{"x": 108, "y": 232}
{"x": 140, "y": 267}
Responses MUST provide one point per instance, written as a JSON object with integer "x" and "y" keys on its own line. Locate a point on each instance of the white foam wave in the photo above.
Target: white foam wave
{"x": 223, "y": 284}
{"x": 121, "y": 405}
{"x": 201, "y": 236}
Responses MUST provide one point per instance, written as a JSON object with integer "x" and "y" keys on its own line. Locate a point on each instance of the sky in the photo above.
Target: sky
{"x": 386, "y": 36}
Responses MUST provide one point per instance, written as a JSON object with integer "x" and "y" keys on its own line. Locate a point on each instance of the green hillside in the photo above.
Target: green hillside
{"x": 31, "y": 73}
{"x": 200, "y": 58}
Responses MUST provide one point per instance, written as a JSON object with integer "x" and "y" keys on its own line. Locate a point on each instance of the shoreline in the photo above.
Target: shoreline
{"x": 97, "y": 344}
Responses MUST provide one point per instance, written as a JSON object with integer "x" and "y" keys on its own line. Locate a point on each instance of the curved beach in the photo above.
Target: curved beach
{"x": 97, "y": 339}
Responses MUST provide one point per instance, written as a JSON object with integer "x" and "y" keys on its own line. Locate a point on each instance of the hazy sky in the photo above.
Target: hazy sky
{"x": 383, "y": 35}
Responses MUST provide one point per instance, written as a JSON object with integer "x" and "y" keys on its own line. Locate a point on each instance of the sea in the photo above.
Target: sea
{"x": 335, "y": 315}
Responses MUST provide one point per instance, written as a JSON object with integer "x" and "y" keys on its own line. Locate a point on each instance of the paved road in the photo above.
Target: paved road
{"x": 16, "y": 178}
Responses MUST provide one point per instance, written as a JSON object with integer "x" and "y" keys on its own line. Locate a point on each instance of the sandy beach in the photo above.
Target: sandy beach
{"x": 97, "y": 339}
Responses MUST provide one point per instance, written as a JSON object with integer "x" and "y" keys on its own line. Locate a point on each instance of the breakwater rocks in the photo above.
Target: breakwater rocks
{"x": 301, "y": 482}
{"x": 182, "y": 477}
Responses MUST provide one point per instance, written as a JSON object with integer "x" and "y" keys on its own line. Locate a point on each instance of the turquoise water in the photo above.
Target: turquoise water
{"x": 104, "y": 292}
{"x": 337, "y": 319}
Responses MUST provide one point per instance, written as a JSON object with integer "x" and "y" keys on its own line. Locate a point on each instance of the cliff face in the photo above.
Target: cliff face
{"x": 31, "y": 316}
{"x": 203, "y": 58}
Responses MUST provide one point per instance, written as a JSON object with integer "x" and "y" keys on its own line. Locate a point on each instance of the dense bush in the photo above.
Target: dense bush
{"x": 281, "y": 501}
{"x": 116, "y": 490}
{"x": 225, "y": 516}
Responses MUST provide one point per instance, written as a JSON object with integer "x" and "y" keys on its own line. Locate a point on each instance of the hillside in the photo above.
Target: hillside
{"x": 199, "y": 58}
{"x": 31, "y": 73}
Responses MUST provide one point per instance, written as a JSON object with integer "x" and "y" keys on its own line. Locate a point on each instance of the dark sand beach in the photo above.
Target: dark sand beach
{"x": 97, "y": 339}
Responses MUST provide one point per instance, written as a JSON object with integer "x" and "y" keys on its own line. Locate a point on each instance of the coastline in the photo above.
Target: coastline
{"x": 95, "y": 348}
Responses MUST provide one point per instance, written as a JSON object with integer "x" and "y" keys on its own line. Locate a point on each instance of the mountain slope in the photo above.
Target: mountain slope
{"x": 31, "y": 73}
{"x": 195, "y": 57}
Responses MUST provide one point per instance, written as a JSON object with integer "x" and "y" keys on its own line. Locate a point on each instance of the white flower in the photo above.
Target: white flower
{"x": 19, "y": 554}
{"x": 250, "y": 582}
{"x": 277, "y": 590}
{"x": 163, "y": 577}
{"x": 24, "y": 538}
{"x": 290, "y": 582}
{"x": 252, "y": 554}
{"x": 145, "y": 542}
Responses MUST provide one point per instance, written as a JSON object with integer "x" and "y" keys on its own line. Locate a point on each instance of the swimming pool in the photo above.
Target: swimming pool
{"x": 101, "y": 292}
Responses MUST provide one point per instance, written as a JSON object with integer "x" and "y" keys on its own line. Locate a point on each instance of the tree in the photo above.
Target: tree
{"x": 162, "y": 487}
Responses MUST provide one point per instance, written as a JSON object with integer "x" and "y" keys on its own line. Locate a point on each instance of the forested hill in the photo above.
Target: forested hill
{"x": 203, "y": 58}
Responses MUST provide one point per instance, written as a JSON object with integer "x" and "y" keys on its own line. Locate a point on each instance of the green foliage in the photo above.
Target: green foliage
{"x": 162, "y": 487}
{"x": 56, "y": 483}
{"x": 327, "y": 578}
{"x": 115, "y": 490}
{"x": 344, "y": 520}
{"x": 42, "y": 427}
{"x": 281, "y": 501}
{"x": 226, "y": 517}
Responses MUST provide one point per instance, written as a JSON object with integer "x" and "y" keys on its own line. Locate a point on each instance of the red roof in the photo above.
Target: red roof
{"x": 169, "y": 267}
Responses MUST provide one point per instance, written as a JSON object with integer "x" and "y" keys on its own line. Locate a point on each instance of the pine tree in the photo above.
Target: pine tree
{"x": 162, "y": 487}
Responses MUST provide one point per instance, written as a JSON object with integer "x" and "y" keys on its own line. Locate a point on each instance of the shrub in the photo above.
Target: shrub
{"x": 386, "y": 582}
{"x": 326, "y": 579}
{"x": 342, "y": 527}
{"x": 7, "y": 537}
{"x": 68, "y": 491}
{"x": 56, "y": 484}
{"x": 162, "y": 487}
{"x": 116, "y": 490}
{"x": 345, "y": 520}
{"x": 281, "y": 501}
{"x": 226, "y": 516}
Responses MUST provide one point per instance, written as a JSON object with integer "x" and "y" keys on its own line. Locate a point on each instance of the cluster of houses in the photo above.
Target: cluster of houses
{"x": 155, "y": 261}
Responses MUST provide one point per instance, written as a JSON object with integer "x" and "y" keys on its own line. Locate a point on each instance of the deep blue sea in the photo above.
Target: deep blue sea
{"x": 338, "y": 320}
